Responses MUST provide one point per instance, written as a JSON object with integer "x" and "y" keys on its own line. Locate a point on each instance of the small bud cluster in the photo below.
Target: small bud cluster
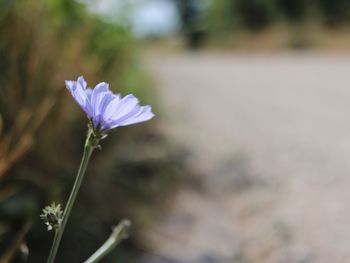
{"x": 52, "y": 216}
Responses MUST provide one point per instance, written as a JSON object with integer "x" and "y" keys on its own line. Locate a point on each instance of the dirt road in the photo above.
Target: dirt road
{"x": 270, "y": 139}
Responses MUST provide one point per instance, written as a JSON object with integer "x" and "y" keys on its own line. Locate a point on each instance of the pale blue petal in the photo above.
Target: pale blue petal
{"x": 105, "y": 109}
{"x": 99, "y": 102}
{"x": 101, "y": 87}
{"x": 126, "y": 105}
{"x": 112, "y": 107}
{"x": 79, "y": 94}
{"x": 145, "y": 113}
{"x": 116, "y": 122}
{"x": 81, "y": 82}
{"x": 88, "y": 93}
{"x": 70, "y": 85}
{"x": 97, "y": 97}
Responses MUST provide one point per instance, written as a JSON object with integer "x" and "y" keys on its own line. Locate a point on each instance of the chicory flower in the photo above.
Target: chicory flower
{"x": 106, "y": 110}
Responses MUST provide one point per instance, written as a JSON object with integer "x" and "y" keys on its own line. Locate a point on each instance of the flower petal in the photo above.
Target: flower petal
{"x": 98, "y": 97}
{"x": 105, "y": 109}
{"x": 101, "y": 87}
{"x": 126, "y": 105}
{"x": 79, "y": 94}
{"x": 139, "y": 114}
{"x": 88, "y": 92}
{"x": 100, "y": 101}
{"x": 145, "y": 113}
{"x": 112, "y": 107}
{"x": 81, "y": 81}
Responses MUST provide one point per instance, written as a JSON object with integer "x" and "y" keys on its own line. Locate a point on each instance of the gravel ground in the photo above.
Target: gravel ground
{"x": 269, "y": 137}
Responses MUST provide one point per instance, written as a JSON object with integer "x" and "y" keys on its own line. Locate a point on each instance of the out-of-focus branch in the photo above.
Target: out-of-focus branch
{"x": 26, "y": 126}
{"x": 12, "y": 250}
{"x": 119, "y": 233}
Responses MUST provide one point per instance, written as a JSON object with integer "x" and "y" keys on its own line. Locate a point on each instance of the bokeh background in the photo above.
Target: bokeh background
{"x": 246, "y": 160}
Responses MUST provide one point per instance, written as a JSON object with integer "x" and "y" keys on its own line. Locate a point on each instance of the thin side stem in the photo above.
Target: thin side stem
{"x": 119, "y": 233}
{"x": 54, "y": 247}
{"x": 88, "y": 149}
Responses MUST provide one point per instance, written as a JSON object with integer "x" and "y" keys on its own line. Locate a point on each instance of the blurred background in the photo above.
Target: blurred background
{"x": 246, "y": 161}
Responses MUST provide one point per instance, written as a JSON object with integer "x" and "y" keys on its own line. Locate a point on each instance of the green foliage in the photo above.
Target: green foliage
{"x": 42, "y": 132}
{"x": 231, "y": 15}
{"x": 292, "y": 10}
{"x": 335, "y": 12}
{"x": 228, "y": 16}
{"x": 220, "y": 18}
{"x": 254, "y": 14}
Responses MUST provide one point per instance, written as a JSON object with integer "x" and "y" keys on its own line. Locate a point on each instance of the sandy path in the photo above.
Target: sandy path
{"x": 270, "y": 137}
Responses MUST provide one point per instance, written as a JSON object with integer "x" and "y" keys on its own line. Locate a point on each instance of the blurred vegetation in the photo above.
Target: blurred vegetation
{"x": 230, "y": 15}
{"x": 193, "y": 28}
{"x": 297, "y": 22}
{"x": 42, "y": 131}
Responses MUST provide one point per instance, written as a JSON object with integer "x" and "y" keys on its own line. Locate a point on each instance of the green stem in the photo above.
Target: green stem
{"x": 88, "y": 149}
{"x": 119, "y": 233}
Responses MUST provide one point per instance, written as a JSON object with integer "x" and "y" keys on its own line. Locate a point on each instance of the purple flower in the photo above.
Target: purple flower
{"x": 105, "y": 109}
